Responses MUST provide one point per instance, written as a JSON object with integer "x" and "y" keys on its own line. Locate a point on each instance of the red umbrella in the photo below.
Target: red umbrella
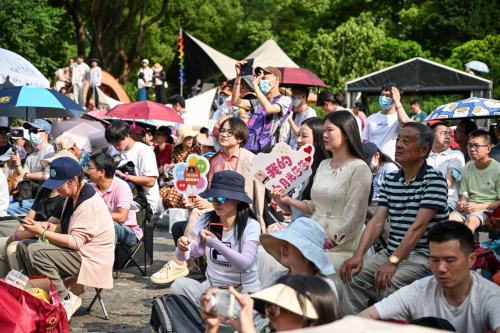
{"x": 145, "y": 110}
{"x": 98, "y": 114}
{"x": 300, "y": 76}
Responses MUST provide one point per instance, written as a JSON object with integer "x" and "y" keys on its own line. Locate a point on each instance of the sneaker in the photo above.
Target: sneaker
{"x": 198, "y": 275}
{"x": 170, "y": 272}
{"x": 72, "y": 304}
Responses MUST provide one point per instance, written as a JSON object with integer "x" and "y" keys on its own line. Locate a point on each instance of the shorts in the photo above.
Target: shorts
{"x": 479, "y": 214}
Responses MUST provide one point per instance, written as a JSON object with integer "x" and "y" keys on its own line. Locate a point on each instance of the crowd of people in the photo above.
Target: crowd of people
{"x": 383, "y": 228}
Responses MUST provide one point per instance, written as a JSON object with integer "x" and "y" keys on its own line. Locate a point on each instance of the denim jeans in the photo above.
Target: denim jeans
{"x": 124, "y": 234}
{"x": 16, "y": 209}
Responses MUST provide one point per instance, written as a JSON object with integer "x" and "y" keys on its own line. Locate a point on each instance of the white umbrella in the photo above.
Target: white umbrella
{"x": 20, "y": 71}
{"x": 82, "y": 135}
{"x": 59, "y": 127}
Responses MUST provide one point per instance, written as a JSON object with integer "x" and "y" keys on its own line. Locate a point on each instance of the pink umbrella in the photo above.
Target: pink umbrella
{"x": 59, "y": 127}
{"x": 145, "y": 110}
{"x": 300, "y": 76}
{"x": 98, "y": 114}
{"x": 86, "y": 136}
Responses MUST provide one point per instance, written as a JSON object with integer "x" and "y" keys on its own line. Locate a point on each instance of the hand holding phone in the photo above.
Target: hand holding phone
{"x": 247, "y": 69}
{"x": 221, "y": 303}
{"x": 217, "y": 229}
{"x": 21, "y": 220}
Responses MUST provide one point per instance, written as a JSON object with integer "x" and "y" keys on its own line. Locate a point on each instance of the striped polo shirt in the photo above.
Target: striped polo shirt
{"x": 427, "y": 190}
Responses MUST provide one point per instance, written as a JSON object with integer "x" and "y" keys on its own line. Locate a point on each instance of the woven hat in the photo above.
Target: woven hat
{"x": 63, "y": 142}
{"x": 183, "y": 132}
{"x": 157, "y": 67}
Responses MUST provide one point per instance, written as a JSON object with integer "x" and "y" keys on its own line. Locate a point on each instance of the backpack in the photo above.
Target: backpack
{"x": 175, "y": 314}
{"x": 485, "y": 259}
{"x": 261, "y": 139}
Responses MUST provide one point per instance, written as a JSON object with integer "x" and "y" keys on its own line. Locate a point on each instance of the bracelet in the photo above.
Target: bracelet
{"x": 399, "y": 107}
{"x": 126, "y": 176}
{"x": 43, "y": 237}
{"x": 48, "y": 226}
{"x": 16, "y": 237}
{"x": 236, "y": 84}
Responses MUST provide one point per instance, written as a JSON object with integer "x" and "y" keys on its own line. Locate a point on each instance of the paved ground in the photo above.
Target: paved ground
{"x": 129, "y": 302}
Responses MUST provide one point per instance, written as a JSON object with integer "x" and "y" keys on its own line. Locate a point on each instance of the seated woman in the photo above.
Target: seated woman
{"x": 48, "y": 207}
{"x": 296, "y": 301}
{"x": 82, "y": 245}
{"x": 231, "y": 261}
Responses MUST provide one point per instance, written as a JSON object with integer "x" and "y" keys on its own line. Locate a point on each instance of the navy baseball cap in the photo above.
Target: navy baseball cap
{"x": 39, "y": 123}
{"x": 370, "y": 150}
{"x": 62, "y": 170}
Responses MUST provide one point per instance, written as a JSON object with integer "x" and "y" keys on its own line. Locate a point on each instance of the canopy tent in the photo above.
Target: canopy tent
{"x": 200, "y": 62}
{"x": 110, "y": 87}
{"x": 420, "y": 76}
{"x": 20, "y": 71}
{"x": 270, "y": 54}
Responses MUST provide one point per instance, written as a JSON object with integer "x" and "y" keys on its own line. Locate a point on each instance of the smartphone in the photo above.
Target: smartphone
{"x": 217, "y": 229}
{"x": 20, "y": 220}
{"x": 222, "y": 302}
{"x": 247, "y": 69}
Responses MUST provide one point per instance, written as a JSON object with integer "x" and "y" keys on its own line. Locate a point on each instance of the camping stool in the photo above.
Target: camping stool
{"x": 176, "y": 215}
{"x": 69, "y": 280}
{"x": 141, "y": 222}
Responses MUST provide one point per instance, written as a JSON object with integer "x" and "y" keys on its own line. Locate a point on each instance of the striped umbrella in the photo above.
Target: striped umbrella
{"x": 32, "y": 102}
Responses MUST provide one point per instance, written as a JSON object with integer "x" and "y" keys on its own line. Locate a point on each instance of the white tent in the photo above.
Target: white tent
{"x": 105, "y": 100}
{"x": 270, "y": 54}
{"x": 20, "y": 71}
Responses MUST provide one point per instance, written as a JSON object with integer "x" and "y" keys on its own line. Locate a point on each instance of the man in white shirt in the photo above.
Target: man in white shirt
{"x": 330, "y": 102}
{"x": 80, "y": 71}
{"x": 383, "y": 127}
{"x": 449, "y": 162}
{"x": 94, "y": 76}
{"x": 118, "y": 134}
{"x": 462, "y": 297}
{"x": 148, "y": 75}
{"x": 301, "y": 111}
{"x": 179, "y": 104}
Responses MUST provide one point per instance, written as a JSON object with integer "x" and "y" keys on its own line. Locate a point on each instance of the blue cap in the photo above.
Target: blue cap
{"x": 38, "y": 123}
{"x": 62, "y": 170}
{"x": 370, "y": 150}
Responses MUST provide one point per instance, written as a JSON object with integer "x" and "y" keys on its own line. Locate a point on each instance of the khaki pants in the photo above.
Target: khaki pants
{"x": 7, "y": 256}
{"x": 48, "y": 259}
{"x": 357, "y": 290}
{"x": 193, "y": 217}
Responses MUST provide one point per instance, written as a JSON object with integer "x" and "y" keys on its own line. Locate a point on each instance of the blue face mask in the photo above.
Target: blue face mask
{"x": 264, "y": 86}
{"x": 35, "y": 139}
{"x": 385, "y": 102}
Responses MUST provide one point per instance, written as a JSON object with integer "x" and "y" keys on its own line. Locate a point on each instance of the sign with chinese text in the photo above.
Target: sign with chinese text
{"x": 190, "y": 178}
{"x": 283, "y": 167}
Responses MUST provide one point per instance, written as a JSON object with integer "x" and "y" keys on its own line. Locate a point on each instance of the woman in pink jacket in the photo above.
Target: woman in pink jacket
{"x": 82, "y": 245}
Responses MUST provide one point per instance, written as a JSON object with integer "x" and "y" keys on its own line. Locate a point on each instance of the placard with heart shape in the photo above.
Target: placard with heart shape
{"x": 190, "y": 178}
{"x": 283, "y": 167}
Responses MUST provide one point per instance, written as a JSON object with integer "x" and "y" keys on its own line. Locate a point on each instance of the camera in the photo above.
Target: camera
{"x": 222, "y": 302}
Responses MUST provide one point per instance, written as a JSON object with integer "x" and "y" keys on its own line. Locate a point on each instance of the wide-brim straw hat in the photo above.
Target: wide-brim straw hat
{"x": 62, "y": 153}
{"x": 183, "y": 132}
{"x": 157, "y": 67}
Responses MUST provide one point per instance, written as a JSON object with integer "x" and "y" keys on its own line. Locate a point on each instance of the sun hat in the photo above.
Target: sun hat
{"x": 63, "y": 142}
{"x": 370, "y": 150}
{"x": 62, "y": 170}
{"x": 307, "y": 236}
{"x": 137, "y": 129}
{"x": 269, "y": 69}
{"x": 248, "y": 79}
{"x": 6, "y": 156}
{"x": 38, "y": 123}
{"x": 62, "y": 153}
{"x": 184, "y": 131}
{"x": 209, "y": 141}
{"x": 227, "y": 184}
{"x": 286, "y": 298}
{"x": 157, "y": 67}
{"x": 227, "y": 90}
{"x": 96, "y": 60}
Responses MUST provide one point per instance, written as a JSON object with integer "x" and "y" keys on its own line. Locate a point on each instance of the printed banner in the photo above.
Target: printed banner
{"x": 190, "y": 178}
{"x": 283, "y": 167}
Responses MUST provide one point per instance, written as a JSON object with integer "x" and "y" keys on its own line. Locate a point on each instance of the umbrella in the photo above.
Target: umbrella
{"x": 474, "y": 107}
{"x": 300, "y": 76}
{"x": 59, "y": 127}
{"x": 35, "y": 102}
{"x": 145, "y": 110}
{"x": 20, "y": 71}
{"x": 98, "y": 115}
{"x": 83, "y": 134}
{"x": 6, "y": 83}
{"x": 478, "y": 66}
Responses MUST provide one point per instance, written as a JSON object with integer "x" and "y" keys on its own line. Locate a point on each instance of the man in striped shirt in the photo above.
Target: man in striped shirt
{"x": 414, "y": 198}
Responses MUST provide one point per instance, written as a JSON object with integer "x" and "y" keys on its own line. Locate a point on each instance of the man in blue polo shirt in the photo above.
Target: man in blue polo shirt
{"x": 414, "y": 198}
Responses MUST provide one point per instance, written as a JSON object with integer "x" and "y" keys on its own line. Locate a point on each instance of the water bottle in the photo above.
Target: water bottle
{"x": 465, "y": 197}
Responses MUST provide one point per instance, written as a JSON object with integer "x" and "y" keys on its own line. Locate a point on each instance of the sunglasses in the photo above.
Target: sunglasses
{"x": 36, "y": 130}
{"x": 219, "y": 200}
{"x": 272, "y": 309}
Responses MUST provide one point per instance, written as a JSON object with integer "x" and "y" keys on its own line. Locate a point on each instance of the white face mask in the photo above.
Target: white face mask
{"x": 296, "y": 100}
{"x": 373, "y": 164}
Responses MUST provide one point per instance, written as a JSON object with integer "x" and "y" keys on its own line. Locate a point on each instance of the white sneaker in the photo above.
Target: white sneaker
{"x": 72, "y": 304}
{"x": 169, "y": 273}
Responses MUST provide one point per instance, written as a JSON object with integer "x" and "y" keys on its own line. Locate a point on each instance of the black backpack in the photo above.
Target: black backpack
{"x": 175, "y": 314}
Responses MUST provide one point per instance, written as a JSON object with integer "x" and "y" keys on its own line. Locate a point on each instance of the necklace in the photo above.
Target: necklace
{"x": 228, "y": 229}
{"x": 336, "y": 171}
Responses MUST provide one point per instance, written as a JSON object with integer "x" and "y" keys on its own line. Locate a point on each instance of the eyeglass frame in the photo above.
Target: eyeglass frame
{"x": 229, "y": 133}
{"x": 475, "y": 146}
{"x": 449, "y": 134}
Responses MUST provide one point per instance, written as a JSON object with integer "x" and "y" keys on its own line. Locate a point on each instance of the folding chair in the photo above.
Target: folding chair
{"x": 71, "y": 280}
{"x": 141, "y": 221}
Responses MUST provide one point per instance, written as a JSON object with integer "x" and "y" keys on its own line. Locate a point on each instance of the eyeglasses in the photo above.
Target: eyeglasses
{"x": 3, "y": 132}
{"x": 446, "y": 134}
{"x": 229, "y": 133}
{"x": 219, "y": 200}
{"x": 476, "y": 146}
{"x": 272, "y": 309}
{"x": 36, "y": 130}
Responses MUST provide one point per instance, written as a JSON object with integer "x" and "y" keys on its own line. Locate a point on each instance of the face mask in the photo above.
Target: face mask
{"x": 296, "y": 100}
{"x": 385, "y": 102}
{"x": 264, "y": 86}
{"x": 35, "y": 139}
{"x": 373, "y": 165}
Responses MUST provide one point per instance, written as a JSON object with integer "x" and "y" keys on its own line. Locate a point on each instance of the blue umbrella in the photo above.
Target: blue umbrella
{"x": 478, "y": 66}
{"x": 473, "y": 107}
{"x": 32, "y": 102}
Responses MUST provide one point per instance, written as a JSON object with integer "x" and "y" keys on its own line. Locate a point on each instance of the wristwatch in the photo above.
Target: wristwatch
{"x": 394, "y": 260}
{"x": 25, "y": 177}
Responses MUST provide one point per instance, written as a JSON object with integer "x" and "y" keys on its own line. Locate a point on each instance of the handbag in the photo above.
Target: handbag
{"x": 238, "y": 287}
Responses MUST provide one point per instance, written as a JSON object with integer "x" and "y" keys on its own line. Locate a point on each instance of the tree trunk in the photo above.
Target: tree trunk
{"x": 75, "y": 10}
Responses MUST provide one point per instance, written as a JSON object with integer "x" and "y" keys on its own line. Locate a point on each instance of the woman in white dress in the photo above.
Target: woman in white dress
{"x": 341, "y": 191}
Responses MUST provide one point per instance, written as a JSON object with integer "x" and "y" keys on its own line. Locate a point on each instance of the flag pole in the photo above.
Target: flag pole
{"x": 181, "y": 58}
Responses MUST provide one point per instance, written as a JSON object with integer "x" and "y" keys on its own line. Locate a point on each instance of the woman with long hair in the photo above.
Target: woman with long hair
{"x": 341, "y": 191}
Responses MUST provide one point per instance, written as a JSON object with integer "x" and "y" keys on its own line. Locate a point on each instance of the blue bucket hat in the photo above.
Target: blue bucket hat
{"x": 38, "y": 123}
{"x": 62, "y": 170}
{"x": 227, "y": 184}
{"x": 307, "y": 236}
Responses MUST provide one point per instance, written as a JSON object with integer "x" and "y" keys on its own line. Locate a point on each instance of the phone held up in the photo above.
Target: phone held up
{"x": 222, "y": 302}
{"x": 217, "y": 229}
{"x": 247, "y": 69}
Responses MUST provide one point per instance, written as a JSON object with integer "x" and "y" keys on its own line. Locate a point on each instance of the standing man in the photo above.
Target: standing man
{"x": 383, "y": 127}
{"x": 94, "y": 76}
{"x": 415, "y": 199}
{"x": 80, "y": 71}
{"x": 301, "y": 111}
{"x": 449, "y": 162}
{"x": 464, "y": 129}
{"x": 148, "y": 76}
{"x": 179, "y": 104}
{"x": 416, "y": 114}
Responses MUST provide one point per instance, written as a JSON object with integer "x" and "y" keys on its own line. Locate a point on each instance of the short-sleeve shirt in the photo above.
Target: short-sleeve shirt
{"x": 379, "y": 177}
{"x": 425, "y": 298}
{"x": 283, "y": 102}
{"x": 33, "y": 164}
{"x": 483, "y": 186}
{"x": 382, "y": 130}
{"x": 163, "y": 156}
{"x": 119, "y": 195}
{"x": 84, "y": 159}
{"x": 299, "y": 118}
{"x": 420, "y": 117}
{"x": 220, "y": 162}
{"x": 50, "y": 207}
{"x": 220, "y": 270}
{"x": 427, "y": 190}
